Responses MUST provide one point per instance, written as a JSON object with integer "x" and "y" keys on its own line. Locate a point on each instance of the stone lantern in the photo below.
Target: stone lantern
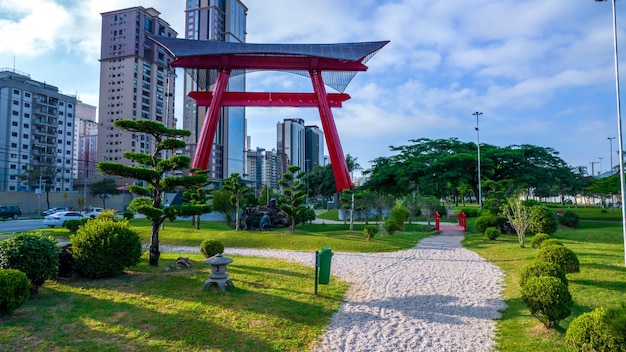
{"x": 218, "y": 276}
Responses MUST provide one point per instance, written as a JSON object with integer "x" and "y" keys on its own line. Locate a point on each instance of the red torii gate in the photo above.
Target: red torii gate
{"x": 339, "y": 62}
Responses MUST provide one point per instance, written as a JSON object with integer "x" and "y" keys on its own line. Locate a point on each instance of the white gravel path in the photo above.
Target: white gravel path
{"x": 437, "y": 296}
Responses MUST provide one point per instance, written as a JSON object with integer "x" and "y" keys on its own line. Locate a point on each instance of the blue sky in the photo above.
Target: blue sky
{"x": 541, "y": 72}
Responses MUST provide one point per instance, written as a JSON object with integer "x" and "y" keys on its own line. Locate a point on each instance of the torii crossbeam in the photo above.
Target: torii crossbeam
{"x": 338, "y": 63}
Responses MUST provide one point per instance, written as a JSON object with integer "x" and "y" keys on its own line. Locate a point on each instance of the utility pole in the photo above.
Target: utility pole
{"x": 592, "y": 170}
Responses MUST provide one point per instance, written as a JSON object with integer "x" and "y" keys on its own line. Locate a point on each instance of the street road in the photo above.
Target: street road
{"x": 10, "y": 226}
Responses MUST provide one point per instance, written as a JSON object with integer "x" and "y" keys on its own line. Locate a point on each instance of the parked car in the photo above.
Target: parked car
{"x": 53, "y": 210}
{"x": 93, "y": 213}
{"x": 59, "y": 219}
{"x": 10, "y": 211}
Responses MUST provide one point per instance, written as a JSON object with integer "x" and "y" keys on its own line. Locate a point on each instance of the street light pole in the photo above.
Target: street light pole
{"x": 600, "y": 165}
{"x": 619, "y": 127}
{"x": 611, "y": 151}
{"x": 480, "y": 191}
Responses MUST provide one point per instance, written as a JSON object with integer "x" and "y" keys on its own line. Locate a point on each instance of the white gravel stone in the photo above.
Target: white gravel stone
{"x": 437, "y": 296}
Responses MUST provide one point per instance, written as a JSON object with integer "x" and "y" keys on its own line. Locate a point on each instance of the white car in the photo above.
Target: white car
{"x": 59, "y": 219}
{"x": 93, "y": 213}
{"x": 53, "y": 210}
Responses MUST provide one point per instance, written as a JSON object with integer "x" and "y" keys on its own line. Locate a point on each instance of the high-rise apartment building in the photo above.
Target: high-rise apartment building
{"x": 261, "y": 168}
{"x": 136, "y": 80}
{"x": 85, "y": 143}
{"x": 36, "y": 134}
{"x": 314, "y": 147}
{"x": 290, "y": 146}
{"x": 219, "y": 20}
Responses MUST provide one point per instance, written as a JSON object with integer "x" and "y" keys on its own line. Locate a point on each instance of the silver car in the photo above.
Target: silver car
{"x": 59, "y": 219}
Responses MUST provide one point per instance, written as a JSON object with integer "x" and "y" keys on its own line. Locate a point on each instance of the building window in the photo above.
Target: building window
{"x": 27, "y": 95}
{"x": 14, "y": 123}
{"x": 13, "y": 166}
{"x": 25, "y": 136}
{"x": 15, "y": 102}
{"x": 68, "y": 143}
{"x": 26, "y": 125}
{"x": 13, "y": 134}
{"x": 15, "y": 113}
{"x": 24, "y": 157}
{"x": 26, "y": 115}
{"x": 13, "y": 145}
{"x": 16, "y": 92}
{"x": 27, "y": 105}
{"x": 24, "y": 146}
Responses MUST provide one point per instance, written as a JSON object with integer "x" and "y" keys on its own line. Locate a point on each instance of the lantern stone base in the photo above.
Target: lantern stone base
{"x": 222, "y": 284}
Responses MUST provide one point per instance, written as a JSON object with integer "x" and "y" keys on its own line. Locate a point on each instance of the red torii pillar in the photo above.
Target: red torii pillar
{"x": 219, "y": 97}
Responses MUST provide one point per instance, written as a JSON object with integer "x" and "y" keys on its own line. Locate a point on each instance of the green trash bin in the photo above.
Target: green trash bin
{"x": 324, "y": 258}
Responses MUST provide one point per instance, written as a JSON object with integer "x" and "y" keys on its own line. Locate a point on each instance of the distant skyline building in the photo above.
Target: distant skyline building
{"x": 314, "y": 147}
{"x": 261, "y": 167}
{"x": 290, "y": 144}
{"x": 136, "y": 80}
{"x": 217, "y": 20}
{"x": 36, "y": 134}
{"x": 85, "y": 142}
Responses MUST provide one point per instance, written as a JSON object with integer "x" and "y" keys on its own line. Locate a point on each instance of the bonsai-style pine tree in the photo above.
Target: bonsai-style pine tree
{"x": 154, "y": 170}
{"x": 294, "y": 195}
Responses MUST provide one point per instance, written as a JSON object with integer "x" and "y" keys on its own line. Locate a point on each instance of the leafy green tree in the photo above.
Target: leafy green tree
{"x": 156, "y": 172}
{"x": 518, "y": 216}
{"x": 294, "y": 195}
{"x": 235, "y": 185}
{"x": 104, "y": 189}
{"x": 222, "y": 204}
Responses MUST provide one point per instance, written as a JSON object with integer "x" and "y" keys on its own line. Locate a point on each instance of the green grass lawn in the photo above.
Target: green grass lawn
{"x": 601, "y": 281}
{"x": 308, "y": 237}
{"x": 271, "y": 308}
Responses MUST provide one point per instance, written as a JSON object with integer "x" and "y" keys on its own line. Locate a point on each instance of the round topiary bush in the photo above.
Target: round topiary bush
{"x": 492, "y": 233}
{"x": 548, "y": 299}
{"x": 104, "y": 248}
{"x": 210, "y": 248}
{"x": 33, "y": 254}
{"x": 370, "y": 231}
{"x": 128, "y": 215}
{"x": 14, "y": 290}
{"x": 543, "y": 220}
{"x": 569, "y": 219}
{"x": 551, "y": 242}
{"x": 535, "y": 242}
{"x": 589, "y": 332}
{"x": 561, "y": 256}
{"x": 539, "y": 268}
{"x": 484, "y": 221}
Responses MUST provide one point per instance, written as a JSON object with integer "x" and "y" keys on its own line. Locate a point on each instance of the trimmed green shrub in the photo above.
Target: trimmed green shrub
{"x": 14, "y": 290}
{"x": 543, "y": 220}
{"x": 72, "y": 225}
{"x": 615, "y": 318}
{"x": 535, "y": 242}
{"x": 492, "y": 233}
{"x": 399, "y": 214}
{"x": 392, "y": 226}
{"x": 551, "y": 242}
{"x": 370, "y": 231}
{"x": 531, "y": 202}
{"x": 104, "y": 248}
{"x": 471, "y": 212}
{"x": 128, "y": 215}
{"x": 569, "y": 219}
{"x": 33, "y": 254}
{"x": 589, "y": 332}
{"x": 538, "y": 268}
{"x": 561, "y": 256}
{"x": 83, "y": 221}
{"x": 484, "y": 221}
{"x": 210, "y": 248}
{"x": 548, "y": 299}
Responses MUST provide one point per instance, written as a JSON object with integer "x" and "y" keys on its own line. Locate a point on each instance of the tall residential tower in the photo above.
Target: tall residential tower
{"x": 219, "y": 20}
{"x": 136, "y": 80}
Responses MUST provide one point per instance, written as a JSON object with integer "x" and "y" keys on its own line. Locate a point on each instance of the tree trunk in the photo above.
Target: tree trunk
{"x": 198, "y": 222}
{"x": 154, "y": 244}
